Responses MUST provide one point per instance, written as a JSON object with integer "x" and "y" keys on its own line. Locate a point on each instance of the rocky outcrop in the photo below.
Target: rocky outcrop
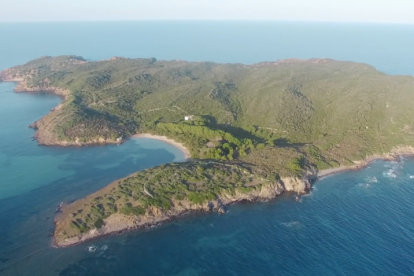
{"x": 294, "y": 184}
{"x": 23, "y": 87}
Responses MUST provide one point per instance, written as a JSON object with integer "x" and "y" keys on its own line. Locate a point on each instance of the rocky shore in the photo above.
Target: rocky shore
{"x": 120, "y": 223}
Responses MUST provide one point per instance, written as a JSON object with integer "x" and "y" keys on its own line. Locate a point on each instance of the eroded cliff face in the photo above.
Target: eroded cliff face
{"x": 294, "y": 184}
{"x": 117, "y": 222}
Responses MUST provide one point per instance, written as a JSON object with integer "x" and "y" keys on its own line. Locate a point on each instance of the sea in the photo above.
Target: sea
{"x": 352, "y": 223}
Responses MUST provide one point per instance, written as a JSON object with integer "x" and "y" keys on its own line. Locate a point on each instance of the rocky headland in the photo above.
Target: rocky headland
{"x": 154, "y": 216}
{"x": 45, "y": 127}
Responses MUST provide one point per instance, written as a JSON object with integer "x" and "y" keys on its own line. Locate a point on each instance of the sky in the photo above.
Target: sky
{"x": 379, "y": 11}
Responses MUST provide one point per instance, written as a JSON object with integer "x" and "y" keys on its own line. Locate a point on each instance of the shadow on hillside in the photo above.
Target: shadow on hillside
{"x": 284, "y": 143}
{"x": 240, "y": 133}
{"x": 235, "y": 131}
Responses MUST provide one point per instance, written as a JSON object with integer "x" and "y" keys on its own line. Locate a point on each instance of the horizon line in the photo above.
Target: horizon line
{"x": 210, "y": 20}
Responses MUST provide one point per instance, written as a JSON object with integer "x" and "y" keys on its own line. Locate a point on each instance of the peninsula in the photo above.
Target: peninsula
{"x": 253, "y": 131}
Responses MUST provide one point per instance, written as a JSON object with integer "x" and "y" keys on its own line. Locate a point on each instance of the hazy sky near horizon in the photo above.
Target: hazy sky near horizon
{"x": 383, "y": 11}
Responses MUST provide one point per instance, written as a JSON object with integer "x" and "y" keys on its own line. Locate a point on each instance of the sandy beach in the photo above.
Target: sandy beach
{"x": 331, "y": 171}
{"x": 186, "y": 152}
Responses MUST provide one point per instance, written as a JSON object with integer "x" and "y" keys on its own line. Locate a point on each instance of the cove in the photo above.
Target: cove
{"x": 35, "y": 179}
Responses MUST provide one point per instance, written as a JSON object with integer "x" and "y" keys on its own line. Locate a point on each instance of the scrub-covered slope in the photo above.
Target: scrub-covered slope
{"x": 347, "y": 110}
{"x": 163, "y": 193}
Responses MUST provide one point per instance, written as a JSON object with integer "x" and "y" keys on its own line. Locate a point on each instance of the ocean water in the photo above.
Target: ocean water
{"x": 353, "y": 223}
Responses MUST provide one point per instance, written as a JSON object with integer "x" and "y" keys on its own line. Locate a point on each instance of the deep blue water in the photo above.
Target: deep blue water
{"x": 354, "y": 223}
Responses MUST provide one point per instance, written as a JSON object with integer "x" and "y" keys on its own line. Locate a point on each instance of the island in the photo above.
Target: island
{"x": 249, "y": 132}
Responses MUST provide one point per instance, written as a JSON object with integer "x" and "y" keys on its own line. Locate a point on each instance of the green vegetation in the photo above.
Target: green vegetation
{"x": 204, "y": 141}
{"x": 341, "y": 111}
{"x": 163, "y": 187}
{"x": 250, "y": 124}
{"x": 345, "y": 110}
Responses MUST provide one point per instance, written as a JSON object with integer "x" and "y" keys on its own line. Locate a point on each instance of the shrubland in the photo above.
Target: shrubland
{"x": 273, "y": 119}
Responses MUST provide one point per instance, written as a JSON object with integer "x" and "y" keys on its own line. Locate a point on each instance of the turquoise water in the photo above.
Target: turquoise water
{"x": 20, "y": 157}
{"x": 354, "y": 223}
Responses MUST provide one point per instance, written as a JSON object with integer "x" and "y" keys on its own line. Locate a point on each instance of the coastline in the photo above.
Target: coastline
{"x": 394, "y": 155}
{"x": 167, "y": 140}
{"x": 146, "y": 226}
{"x": 120, "y": 223}
{"x": 21, "y": 87}
{"x": 128, "y": 225}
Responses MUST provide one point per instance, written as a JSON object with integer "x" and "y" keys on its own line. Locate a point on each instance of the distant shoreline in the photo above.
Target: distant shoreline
{"x": 359, "y": 165}
{"x": 167, "y": 140}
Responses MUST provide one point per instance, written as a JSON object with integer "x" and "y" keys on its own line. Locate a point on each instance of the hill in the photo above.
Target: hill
{"x": 278, "y": 121}
{"x": 346, "y": 110}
